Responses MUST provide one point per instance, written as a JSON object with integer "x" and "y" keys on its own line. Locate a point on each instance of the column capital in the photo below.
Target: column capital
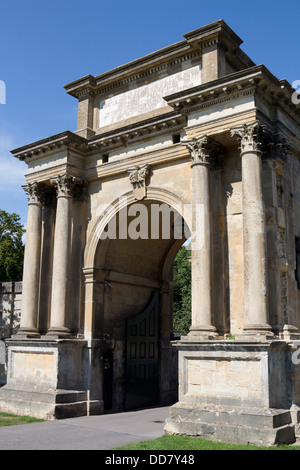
{"x": 277, "y": 148}
{"x": 255, "y": 137}
{"x": 198, "y": 148}
{"x": 35, "y": 192}
{"x": 204, "y": 150}
{"x": 248, "y": 136}
{"x": 65, "y": 185}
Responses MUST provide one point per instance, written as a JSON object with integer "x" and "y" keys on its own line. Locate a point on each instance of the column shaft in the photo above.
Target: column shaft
{"x": 254, "y": 233}
{"x": 46, "y": 267}
{"x": 254, "y": 236}
{"x": 61, "y": 258}
{"x": 201, "y": 251}
{"x": 202, "y": 322}
{"x": 32, "y": 258}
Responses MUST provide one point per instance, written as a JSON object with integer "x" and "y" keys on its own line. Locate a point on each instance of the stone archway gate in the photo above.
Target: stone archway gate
{"x": 199, "y": 126}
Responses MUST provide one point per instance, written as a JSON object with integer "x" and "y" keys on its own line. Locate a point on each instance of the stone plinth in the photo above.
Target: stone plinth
{"x": 236, "y": 391}
{"x": 47, "y": 379}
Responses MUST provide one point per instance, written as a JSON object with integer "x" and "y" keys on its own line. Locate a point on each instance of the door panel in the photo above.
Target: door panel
{"x": 108, "y": 379}
{"x": 142, "y": 358}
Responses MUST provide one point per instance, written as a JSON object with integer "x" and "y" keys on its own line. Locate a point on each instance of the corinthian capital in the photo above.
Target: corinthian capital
{"x": 249, "y": 136}
{"x": 278, "y": 148}
{"x": 35, "y": 192}
{"x": 204, "y": 150}
{"x": 64, "y": 185}
{"x": 198, "y": 148}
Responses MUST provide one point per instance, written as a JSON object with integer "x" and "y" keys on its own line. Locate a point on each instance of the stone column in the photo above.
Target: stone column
{"x": 49, "y": 211}
{"x": 32, "y": 259}
{"x": 61, "y": 256}
{"x": 201, "y": 239}
{"x": 279, "y": 218}
{"x": 254, "y": 232}
{"x": 93, "y": 334}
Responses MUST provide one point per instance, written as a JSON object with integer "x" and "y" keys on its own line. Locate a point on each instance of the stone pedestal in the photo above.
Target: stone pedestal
{"x": 48, "y": 379}
{"x": 237, "y": 391}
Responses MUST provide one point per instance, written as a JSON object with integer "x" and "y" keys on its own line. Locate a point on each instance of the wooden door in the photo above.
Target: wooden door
{"x": 141, "y": 387}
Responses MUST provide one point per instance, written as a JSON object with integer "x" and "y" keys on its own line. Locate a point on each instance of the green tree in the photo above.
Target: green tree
{"x": 11, "y": 247}
{"x": 182, "y": 292}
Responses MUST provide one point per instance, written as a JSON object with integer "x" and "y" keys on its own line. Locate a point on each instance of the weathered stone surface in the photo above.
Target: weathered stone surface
{"x": 235, "y": 392}
{"x": 220, "y": 150}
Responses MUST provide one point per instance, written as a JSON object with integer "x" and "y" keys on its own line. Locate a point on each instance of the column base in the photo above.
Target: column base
{"x": 27, "y": 333}
{"x": 200, "y": 332}
{"x": 287, "y": 332}
{"x": 257, "y": 332}
{"x": 58, "y": 333}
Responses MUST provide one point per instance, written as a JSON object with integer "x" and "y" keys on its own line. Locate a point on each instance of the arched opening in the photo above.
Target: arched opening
{"x": 182, "y": 291}
{"x": 133, "y": 304}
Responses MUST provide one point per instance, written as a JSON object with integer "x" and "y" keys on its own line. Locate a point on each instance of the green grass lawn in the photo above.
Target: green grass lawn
{"x": 195, "y": 443}
{"x": 11, "y": 420}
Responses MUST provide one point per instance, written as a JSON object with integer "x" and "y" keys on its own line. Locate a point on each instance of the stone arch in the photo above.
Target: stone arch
{"x": 105, "y": 313}
{"x": 161, "y": 195}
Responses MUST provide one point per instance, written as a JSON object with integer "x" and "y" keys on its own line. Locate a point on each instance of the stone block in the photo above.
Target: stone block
{"x": 235, "y": 391}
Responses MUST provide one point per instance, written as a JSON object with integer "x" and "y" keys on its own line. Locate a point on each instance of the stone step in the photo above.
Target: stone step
{"x": 254, "y": 426}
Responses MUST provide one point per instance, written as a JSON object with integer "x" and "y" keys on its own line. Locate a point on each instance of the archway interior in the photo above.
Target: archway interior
{"x": 135, "y": 258}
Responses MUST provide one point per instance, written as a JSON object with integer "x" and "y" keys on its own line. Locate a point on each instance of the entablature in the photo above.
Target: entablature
{"x": 155, "y": 63}
{"x": 256, "y": 80}
{"x": 169, "y": 123}
{"x": 62, "y": 141}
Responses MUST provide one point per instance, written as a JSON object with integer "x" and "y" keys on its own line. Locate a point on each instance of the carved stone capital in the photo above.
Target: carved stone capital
{"x": 35, "y": 192}
{"x": 139, "y": 178}
{"x": 65, "y": 185}
{"x": 204, "y": 150}
{"x": 256, "y": 138}
{"x": 248, "y": 136}
{"x": 198, "y": 148}
{"x": 277, "y": 148}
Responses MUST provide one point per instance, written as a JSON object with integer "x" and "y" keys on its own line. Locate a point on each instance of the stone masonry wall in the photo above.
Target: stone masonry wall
{"x": 10, "y": 312}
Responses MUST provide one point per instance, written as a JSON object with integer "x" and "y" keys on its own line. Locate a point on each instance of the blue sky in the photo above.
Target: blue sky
{"x": 46, "y": 44}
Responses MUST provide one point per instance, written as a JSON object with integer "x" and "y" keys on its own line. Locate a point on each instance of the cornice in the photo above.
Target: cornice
{"x": 255, "y": 80}
{"x": 169, "y": 123}
{"x": 207, "y": 32}
{"x": 47, "y": 173}
{"x": 151, "y": 64}
{"x": 222, "y": 86}
{"x": 65, "y": 139}
{"x": 113, "y": 80}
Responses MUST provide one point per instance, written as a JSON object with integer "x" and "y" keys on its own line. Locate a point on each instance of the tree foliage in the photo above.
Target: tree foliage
{"x": 11, "y": 247}
{"x": 182, "y": 292}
